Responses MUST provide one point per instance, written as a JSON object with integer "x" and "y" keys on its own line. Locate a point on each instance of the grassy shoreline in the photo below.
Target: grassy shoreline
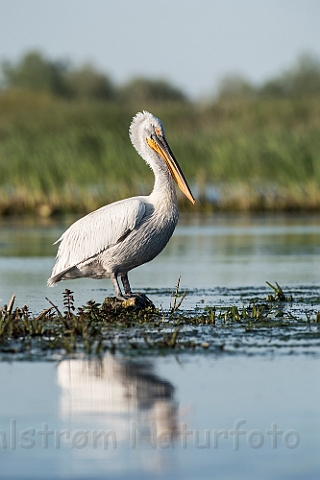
{"x": 238, "y": 155}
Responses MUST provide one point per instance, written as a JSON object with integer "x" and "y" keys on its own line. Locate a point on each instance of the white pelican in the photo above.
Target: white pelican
{"x": 118, "y": 237}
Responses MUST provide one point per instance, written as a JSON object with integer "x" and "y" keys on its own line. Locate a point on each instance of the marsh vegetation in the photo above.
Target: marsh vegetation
{"x": 64, "y": 143}
{"x": 280, "y": 321}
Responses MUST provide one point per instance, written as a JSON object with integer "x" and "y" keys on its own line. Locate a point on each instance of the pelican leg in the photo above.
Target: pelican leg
{"x": 126, "y": 284}
{"x": 116, "y": 287}
{"x": 140, "y": 299}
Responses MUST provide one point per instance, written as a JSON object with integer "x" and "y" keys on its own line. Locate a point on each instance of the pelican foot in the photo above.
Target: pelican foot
{"x": 138, "y": 300}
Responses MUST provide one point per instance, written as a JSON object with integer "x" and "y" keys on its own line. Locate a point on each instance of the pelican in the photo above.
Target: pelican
{"x": 116, "y": 238}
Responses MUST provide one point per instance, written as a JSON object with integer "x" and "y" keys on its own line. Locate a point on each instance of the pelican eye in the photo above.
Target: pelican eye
{"x": 157, "y": 131}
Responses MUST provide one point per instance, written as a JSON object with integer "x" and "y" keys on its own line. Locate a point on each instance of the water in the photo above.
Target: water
{"x": 221, "y": 413}
{"x": 138, "y": 407}
{"x": 207, "y": 252}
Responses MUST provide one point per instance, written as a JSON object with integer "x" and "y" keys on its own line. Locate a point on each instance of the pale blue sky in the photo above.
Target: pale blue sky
{"x": 191, "y": 43}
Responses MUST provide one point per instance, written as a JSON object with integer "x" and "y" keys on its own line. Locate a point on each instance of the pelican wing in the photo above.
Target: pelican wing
{"x": 97, "y": 232}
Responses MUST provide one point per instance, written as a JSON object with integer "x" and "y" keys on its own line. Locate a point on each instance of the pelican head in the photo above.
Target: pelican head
{"x": 148, "y": 138}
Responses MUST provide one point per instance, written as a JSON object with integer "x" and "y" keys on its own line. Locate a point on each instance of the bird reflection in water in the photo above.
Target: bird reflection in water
{"x": 124, "y": 396}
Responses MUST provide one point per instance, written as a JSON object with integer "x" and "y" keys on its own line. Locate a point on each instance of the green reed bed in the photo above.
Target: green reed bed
{"x": 59, "y": 156}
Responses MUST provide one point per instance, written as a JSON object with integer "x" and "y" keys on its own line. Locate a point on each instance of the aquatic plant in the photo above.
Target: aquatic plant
{"x": 113, "y": 326}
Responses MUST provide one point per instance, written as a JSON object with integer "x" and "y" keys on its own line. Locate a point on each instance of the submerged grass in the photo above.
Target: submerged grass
{"x": 261, "y": 326}
{"x": 58, "y": 156}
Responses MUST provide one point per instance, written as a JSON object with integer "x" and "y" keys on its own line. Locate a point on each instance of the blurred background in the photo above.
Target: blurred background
{"x": 237, "y": 85}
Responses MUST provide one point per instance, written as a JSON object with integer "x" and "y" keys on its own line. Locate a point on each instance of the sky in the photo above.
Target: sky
{"x": 192, "y": 44}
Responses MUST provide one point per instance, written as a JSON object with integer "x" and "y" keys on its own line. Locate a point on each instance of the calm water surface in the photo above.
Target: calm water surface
{"x": 186, "y": 416}
{"x": 169, "y": 417}
{"x": 207, "y": 252}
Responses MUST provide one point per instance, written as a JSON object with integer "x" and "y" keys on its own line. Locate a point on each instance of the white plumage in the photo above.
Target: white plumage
{"x": 118, "y": 237}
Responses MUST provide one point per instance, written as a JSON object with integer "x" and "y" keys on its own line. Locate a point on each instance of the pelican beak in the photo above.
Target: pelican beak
{"x": 160, "y": 145}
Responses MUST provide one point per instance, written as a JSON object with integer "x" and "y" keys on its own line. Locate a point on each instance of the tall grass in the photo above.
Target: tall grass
{"x": 57, "y": 156}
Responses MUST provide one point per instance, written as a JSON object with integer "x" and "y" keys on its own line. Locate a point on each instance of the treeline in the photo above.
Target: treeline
{"x": 35, "y": 72}
{"x": 303, "y": 78}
